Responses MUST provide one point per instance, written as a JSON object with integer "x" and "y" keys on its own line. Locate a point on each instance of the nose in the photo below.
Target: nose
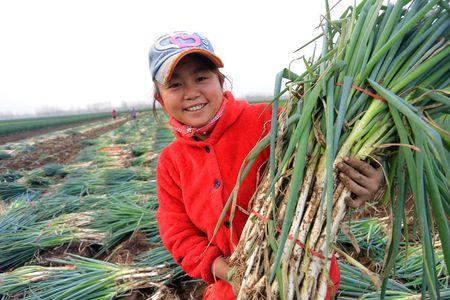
{"x": 191, "y": 92}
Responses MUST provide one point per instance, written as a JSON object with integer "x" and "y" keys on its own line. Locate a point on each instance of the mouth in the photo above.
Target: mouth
{"x": 195, "y": 107}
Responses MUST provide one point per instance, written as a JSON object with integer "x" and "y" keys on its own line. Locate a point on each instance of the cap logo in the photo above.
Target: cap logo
{"x": 184, "y": 40}
{"x": 177, "y": 41}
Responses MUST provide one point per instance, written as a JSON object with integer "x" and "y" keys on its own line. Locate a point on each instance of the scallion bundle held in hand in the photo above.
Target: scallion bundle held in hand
{"x": 380, "y": 86}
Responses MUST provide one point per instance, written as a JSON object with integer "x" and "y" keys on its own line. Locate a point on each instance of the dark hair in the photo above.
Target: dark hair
{"x": 208, "y": 64}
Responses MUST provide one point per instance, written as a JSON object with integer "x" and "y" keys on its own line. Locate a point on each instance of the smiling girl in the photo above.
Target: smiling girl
{"x": 196, "y": 173}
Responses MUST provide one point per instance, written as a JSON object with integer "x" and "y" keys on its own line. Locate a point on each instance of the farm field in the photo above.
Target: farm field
{"x": 33, "y": 137}
{"x": 58, "y": 146}
{"x": 82, "y": 225}
{"x": 11, "y": 130}
{"x": 94, "y": 212}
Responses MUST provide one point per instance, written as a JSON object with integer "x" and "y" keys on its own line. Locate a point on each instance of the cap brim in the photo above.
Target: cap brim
{"x": 165, "y": 71}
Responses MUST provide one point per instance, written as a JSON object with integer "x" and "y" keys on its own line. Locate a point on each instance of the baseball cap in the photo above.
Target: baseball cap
{"x": 170, "y": 48}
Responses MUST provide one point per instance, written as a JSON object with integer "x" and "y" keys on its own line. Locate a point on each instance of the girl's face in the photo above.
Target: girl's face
{"x": 193, "y": 94}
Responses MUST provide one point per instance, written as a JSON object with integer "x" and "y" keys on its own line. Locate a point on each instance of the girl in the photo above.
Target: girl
{"x": 196, "y": 173}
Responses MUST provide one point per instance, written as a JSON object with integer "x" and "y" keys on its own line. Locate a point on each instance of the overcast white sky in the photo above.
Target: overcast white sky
{"x": 69, "y": 54}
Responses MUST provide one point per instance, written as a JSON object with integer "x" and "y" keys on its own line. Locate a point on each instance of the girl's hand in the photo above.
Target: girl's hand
{"x": 361, "y": 179}
{"x": 222, "y": 270}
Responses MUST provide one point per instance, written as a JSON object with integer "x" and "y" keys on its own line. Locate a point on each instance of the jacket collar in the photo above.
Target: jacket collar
{"x": 232, "y": 111}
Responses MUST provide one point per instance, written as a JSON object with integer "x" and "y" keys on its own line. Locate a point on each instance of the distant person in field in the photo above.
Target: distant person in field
{"x": 113, "y": 113}
{"x": 133, "y": 113}
{"x": 196, "y": 173}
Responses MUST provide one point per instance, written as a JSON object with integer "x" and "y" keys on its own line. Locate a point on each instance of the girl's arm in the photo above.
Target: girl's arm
{"x": 188, "y": 245}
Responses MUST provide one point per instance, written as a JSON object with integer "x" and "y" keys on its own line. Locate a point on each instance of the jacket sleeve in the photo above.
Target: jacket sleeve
{"x": 187, "y": 244}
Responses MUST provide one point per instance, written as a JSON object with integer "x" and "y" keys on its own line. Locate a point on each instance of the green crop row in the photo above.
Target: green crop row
{"x": 14, "y": 126}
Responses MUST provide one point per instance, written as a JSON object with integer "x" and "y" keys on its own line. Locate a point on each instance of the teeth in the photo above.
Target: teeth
{"x": 194, "y": 108}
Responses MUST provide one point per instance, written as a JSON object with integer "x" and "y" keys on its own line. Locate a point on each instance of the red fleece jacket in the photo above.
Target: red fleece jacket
{"x": 195, "y": 179}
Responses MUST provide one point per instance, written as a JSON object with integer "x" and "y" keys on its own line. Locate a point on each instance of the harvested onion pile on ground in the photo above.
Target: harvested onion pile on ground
{"x": 380, "y": 86}
{"x": 86, "y": 278}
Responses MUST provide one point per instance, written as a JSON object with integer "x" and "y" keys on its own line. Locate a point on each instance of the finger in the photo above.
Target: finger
{"x": 382, "y": 176}
{"x": 353, "y": 174}
{"x": 374, "y": 182}
{"x": 376, "y": 160}
{"x": 363, "y": 167}
{"x": 378, "y": 179}
{"x": 354, "y": 203}
{"x": 353, "y": 186}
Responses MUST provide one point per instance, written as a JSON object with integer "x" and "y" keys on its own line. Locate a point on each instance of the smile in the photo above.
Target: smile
{"x": 196, "y": 107}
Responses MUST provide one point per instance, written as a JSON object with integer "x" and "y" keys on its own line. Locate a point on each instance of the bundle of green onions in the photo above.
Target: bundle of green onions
{"x": 79, "y": 186}
{"x": 366, "y": 235}
{"x": 81, "y": 278}
{"x": 123, "y": 217}
{"x": 53, "y": 169}
{"x": 138, "y": 150}
{"x": 29, "y": 188}
{"x": 110, "y": 223}
{"x": 409, "y": 267}
{"x": 19, "y": 247}
{"x": 11, "y": 190}
{"x": 355, "y": 284}
{"x": 158, "y": 256}
{"x": 15, "y": 185}
{"x": 121, "y": 175}
{"x": 24, "y": 214}
{"x": 5, "y": 155}
{"x": 400, "y": 50}
{"x": 10, "y": 176}
{"x": 109, "y": 181}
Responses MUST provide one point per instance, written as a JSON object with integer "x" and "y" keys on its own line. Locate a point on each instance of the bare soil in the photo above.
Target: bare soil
{"x": 126, "y": 251}
{"x": 46, "y": 256}
{"x": 191, "y": 290}
{"x": 184, "y": 291}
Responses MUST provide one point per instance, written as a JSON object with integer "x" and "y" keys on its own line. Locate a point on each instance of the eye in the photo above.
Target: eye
{"x": 202, "y": 78}
{"x": 173, "y": 85}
